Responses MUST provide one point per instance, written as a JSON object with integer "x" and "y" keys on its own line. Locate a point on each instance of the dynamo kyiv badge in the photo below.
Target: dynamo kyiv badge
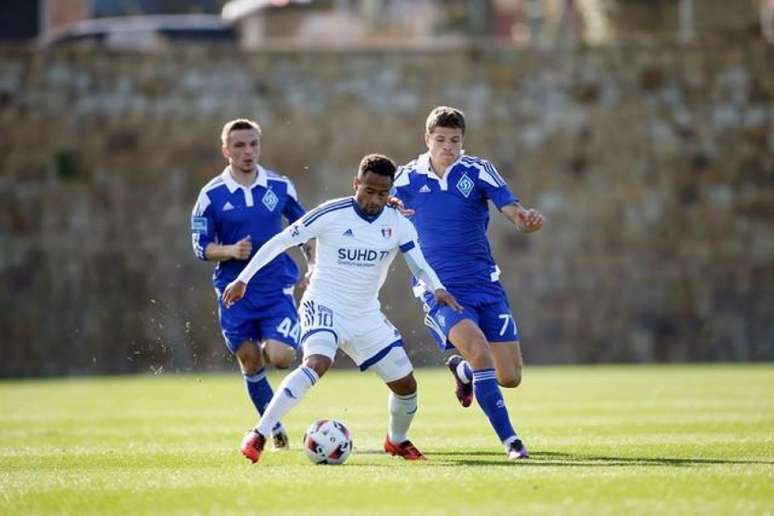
{"x": 270, "y": 200}
{"x": 465, "y": 185}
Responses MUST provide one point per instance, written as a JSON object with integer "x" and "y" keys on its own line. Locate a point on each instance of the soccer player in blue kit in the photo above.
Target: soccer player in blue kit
{"x": 449, "y": 193}
{"x": 236, "y": 213}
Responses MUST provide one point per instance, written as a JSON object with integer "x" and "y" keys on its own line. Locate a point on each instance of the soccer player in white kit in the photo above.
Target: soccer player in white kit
{"x": 357, "y": 239}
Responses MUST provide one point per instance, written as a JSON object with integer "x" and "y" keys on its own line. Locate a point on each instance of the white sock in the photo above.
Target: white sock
{"x": 402, "y": 410}
{"x": 287, "y": 395}
{"x": 463, "y": 372}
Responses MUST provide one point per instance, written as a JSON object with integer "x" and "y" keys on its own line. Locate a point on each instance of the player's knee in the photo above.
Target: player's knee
{"x": 281, "y": 357}
{"x": 478, "y": 353}
{"x": 404, "y": 386}
{"x": 509, "y": 380}
{"x": 249, "y": 358}
{"x": 319, "y": 363}
{"x": 250, "y": 366}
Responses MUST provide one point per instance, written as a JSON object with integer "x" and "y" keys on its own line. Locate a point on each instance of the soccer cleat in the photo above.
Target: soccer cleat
{"x": 517, "y": 450}
{"x": 406, "y": 449}
{"x": 280, "y": 440}
{"x": 252, "y": 445}
{"x": 464, "y": 391}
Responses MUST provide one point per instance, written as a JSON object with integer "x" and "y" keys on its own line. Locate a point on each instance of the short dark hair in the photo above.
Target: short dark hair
{"x": 445, "y": 116}
{"x": 378, "y": 164}
{"x": 238, "y": 125}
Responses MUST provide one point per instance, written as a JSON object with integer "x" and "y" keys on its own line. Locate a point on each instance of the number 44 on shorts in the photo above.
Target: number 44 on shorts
{"x": 288, "y": 329}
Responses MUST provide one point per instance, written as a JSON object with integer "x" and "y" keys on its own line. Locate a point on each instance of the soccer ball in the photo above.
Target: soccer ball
{"x": 327, "y": 441}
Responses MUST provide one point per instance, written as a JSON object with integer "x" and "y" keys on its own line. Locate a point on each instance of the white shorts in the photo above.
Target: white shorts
{"x": 370, "y": 340}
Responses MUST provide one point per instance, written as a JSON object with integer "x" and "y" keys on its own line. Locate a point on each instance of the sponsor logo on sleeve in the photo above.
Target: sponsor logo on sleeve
{"x": 199, "y": 225}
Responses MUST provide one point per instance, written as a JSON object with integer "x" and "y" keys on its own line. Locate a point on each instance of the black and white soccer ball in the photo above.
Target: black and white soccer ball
{"x": 327, "y": 441}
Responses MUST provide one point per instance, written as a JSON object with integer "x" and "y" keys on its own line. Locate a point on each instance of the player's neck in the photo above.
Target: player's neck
{"x": 439, "y": 170}
{"x": 243, "y": 178}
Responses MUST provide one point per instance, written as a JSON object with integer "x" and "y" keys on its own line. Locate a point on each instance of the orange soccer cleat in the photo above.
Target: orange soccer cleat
{"x": 406, "y": 449}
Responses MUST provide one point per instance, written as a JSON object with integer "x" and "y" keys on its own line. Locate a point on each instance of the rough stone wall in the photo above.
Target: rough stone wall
{"x": 653, "y": 164}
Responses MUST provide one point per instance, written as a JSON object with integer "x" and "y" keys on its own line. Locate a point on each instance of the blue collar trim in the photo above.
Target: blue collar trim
{"x": 363, "y": 215}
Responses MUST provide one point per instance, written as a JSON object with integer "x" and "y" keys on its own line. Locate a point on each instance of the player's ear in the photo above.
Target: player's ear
{"x": 427, "y": 139}
{"x": 355, "y": 183}
{"x": 226, "y": 153}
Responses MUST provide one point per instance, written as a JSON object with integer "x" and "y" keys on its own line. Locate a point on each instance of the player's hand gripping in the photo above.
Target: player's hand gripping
{"x": 445, "y": 298}
{"x": 233, "y": 293}
{"x": 242, "y": 249}
{"x": 529, "y": 220}
{"x": 398, "y": 205}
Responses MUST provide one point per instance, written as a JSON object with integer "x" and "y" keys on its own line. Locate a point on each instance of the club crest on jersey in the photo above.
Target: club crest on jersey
{"x": 465, "y": 185}
{"x": 386, "y": 232}
{"x": 270, "y": 200}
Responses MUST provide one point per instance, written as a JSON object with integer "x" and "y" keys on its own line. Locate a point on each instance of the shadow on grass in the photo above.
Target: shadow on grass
{"x": 548, "y": 458}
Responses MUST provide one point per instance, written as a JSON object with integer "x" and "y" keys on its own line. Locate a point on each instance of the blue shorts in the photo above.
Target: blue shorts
{"x": 494, "y": 318}
{"x": 260, "y": 318}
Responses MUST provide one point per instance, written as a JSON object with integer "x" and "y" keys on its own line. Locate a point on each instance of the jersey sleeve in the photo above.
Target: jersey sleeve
{"x": 402, "y": 183}
{"x": 407, "y": 236}
{"x": 294, "y": 210}
{"x": 494, "y": 186}
{"x": 295, "y": 234}
{"x": 202, "y": 226}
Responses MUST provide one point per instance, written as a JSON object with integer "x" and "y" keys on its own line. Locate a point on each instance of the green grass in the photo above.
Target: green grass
{"x": 604, "y": 440}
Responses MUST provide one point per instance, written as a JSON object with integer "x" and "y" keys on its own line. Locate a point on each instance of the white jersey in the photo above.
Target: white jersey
{"x": 354, "y": 252}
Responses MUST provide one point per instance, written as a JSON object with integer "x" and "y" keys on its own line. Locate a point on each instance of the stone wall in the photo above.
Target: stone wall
{"x": 653, "y": 164}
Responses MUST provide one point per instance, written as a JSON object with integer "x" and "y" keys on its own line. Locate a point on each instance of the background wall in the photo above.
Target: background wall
{"x": 654, "y": 165}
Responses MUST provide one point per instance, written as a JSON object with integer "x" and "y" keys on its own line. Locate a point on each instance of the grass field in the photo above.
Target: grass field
{"x": 604, "y": 440}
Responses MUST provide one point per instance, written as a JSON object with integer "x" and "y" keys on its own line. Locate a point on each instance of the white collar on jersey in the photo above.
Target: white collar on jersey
{"x": 423, "y": 167}
{"x": 261, "y": 179}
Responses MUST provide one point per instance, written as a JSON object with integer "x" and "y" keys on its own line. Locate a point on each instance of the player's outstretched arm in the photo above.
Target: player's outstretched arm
{"x": 268, "y": 251}
{"x": 422, "y": 271}
{"x": 526, "y": 220}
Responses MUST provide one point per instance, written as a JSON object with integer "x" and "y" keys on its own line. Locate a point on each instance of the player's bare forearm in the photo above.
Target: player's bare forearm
{"x": 220, "y": 252}
{"x": 526, "y": 220}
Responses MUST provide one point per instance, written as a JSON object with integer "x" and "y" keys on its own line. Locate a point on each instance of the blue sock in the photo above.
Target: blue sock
{"x": 491, "y": 401}
{"x": 259, "y": 390}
